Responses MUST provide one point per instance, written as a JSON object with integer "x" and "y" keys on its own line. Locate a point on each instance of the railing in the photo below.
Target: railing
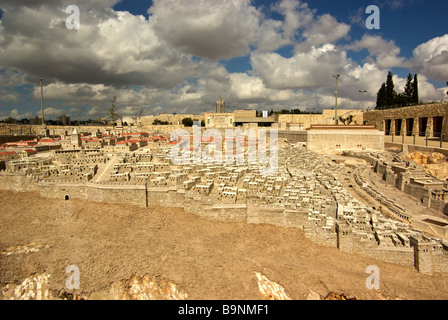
{"x": 399, "y": 136}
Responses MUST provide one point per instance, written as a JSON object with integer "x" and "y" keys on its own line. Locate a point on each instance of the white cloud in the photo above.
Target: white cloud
{"x": 15, "y": 114}
{"x": 431, "y": 58}
{"x": 149, "y": 62}
{"x": 11, "y": 78}
{"x": 297, "y": 15}
{"x": 8, "y": 96}
{"x": 427, "y": 91}
{"x": 270, "y": 36}
{"x": 312, "y": 72}
{"x": 384, "y": 53}
{"x": 326, "y": 29}
{"x": 110, "y": 48}
{"x": 308, "y": 70}
{"x": 96, "y": 112}
{"x": 207, "y": 28}
{"x": 306, "y": 29}
{"x": 51, "y": 112}
{"x": 251, "y": 89}
{"x": 75, "y": 93}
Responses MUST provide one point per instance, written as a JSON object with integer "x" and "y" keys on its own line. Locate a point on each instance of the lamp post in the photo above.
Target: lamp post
{"x": 362, "y": 92}
{"x": 42, "y": 101}
{"x": 336, "y": 76}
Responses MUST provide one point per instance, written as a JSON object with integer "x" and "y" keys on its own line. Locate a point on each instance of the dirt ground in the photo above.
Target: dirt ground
{"x": 206, "y": 259}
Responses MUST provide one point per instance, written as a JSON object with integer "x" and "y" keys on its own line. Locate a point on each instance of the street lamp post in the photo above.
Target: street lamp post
{"x": 362, "y": 92}
{"x": 336, "y": 76}
{"x": 42, "y": 101}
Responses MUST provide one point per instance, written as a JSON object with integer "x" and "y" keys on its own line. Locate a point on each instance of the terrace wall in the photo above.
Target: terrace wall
{"x": 141, "y": 196}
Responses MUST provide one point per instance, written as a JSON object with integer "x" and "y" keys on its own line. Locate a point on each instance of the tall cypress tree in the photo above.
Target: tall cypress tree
{"x": 408, "y": 95}
{"x": 415, "y": 97}
{"x": 390, "y": 88}
{"x": 112, "y": 112}
{"x": 381, "y": 98}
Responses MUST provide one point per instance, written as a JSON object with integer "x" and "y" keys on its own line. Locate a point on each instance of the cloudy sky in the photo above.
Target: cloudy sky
{"x": 179, "y": 56}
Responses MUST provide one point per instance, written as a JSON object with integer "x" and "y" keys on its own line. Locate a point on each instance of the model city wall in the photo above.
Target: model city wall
{"x": 142, "y": 196}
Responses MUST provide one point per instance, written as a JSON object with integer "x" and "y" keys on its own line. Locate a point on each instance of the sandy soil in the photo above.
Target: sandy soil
{"x": 206, "y": 259}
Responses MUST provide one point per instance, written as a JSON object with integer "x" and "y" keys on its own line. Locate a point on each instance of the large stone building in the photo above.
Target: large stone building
{"x": 327, "y": 116}
{"x": 248, "y": 118}
{"x": 238, "y": 118}
{"x": 171, "y": 118}
{"x": 425, "y": 120}
{"x": 332, "y": 137}
{"x": 220, "y": 106}
{"x": 64, "y": 120}
{"x": 219, "y": 120}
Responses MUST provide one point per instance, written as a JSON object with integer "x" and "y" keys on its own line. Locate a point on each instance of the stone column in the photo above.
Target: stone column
{"x": 429, "y": 127}
{"x": 445, "y": 124}
{"x": 392, "y": 127}
{"x": 416, "y": 129}
{"x": 403, "y": 127}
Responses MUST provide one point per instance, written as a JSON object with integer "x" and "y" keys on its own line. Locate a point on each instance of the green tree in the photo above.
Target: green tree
{"x": 347, "y": 121}
{"x": 187, "y": 122}
{"x": 400, "y": 100}
{"x": 381, "y": 98}
{"x": 112, "y": 112}
{"x": 408, "y": 94}
{"x": 9, "y": 120}
{"x": 157, "y": 122}
{"x": 415, "y": 97}
{"x": 390, "y": 90}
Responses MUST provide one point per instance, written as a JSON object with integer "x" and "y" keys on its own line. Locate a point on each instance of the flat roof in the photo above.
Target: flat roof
{"x": 340, "y": 127}
{"x": 254, "y": 119}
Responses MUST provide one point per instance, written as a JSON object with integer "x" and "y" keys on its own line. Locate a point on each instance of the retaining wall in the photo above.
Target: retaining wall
{"x": 140, "y": 195}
